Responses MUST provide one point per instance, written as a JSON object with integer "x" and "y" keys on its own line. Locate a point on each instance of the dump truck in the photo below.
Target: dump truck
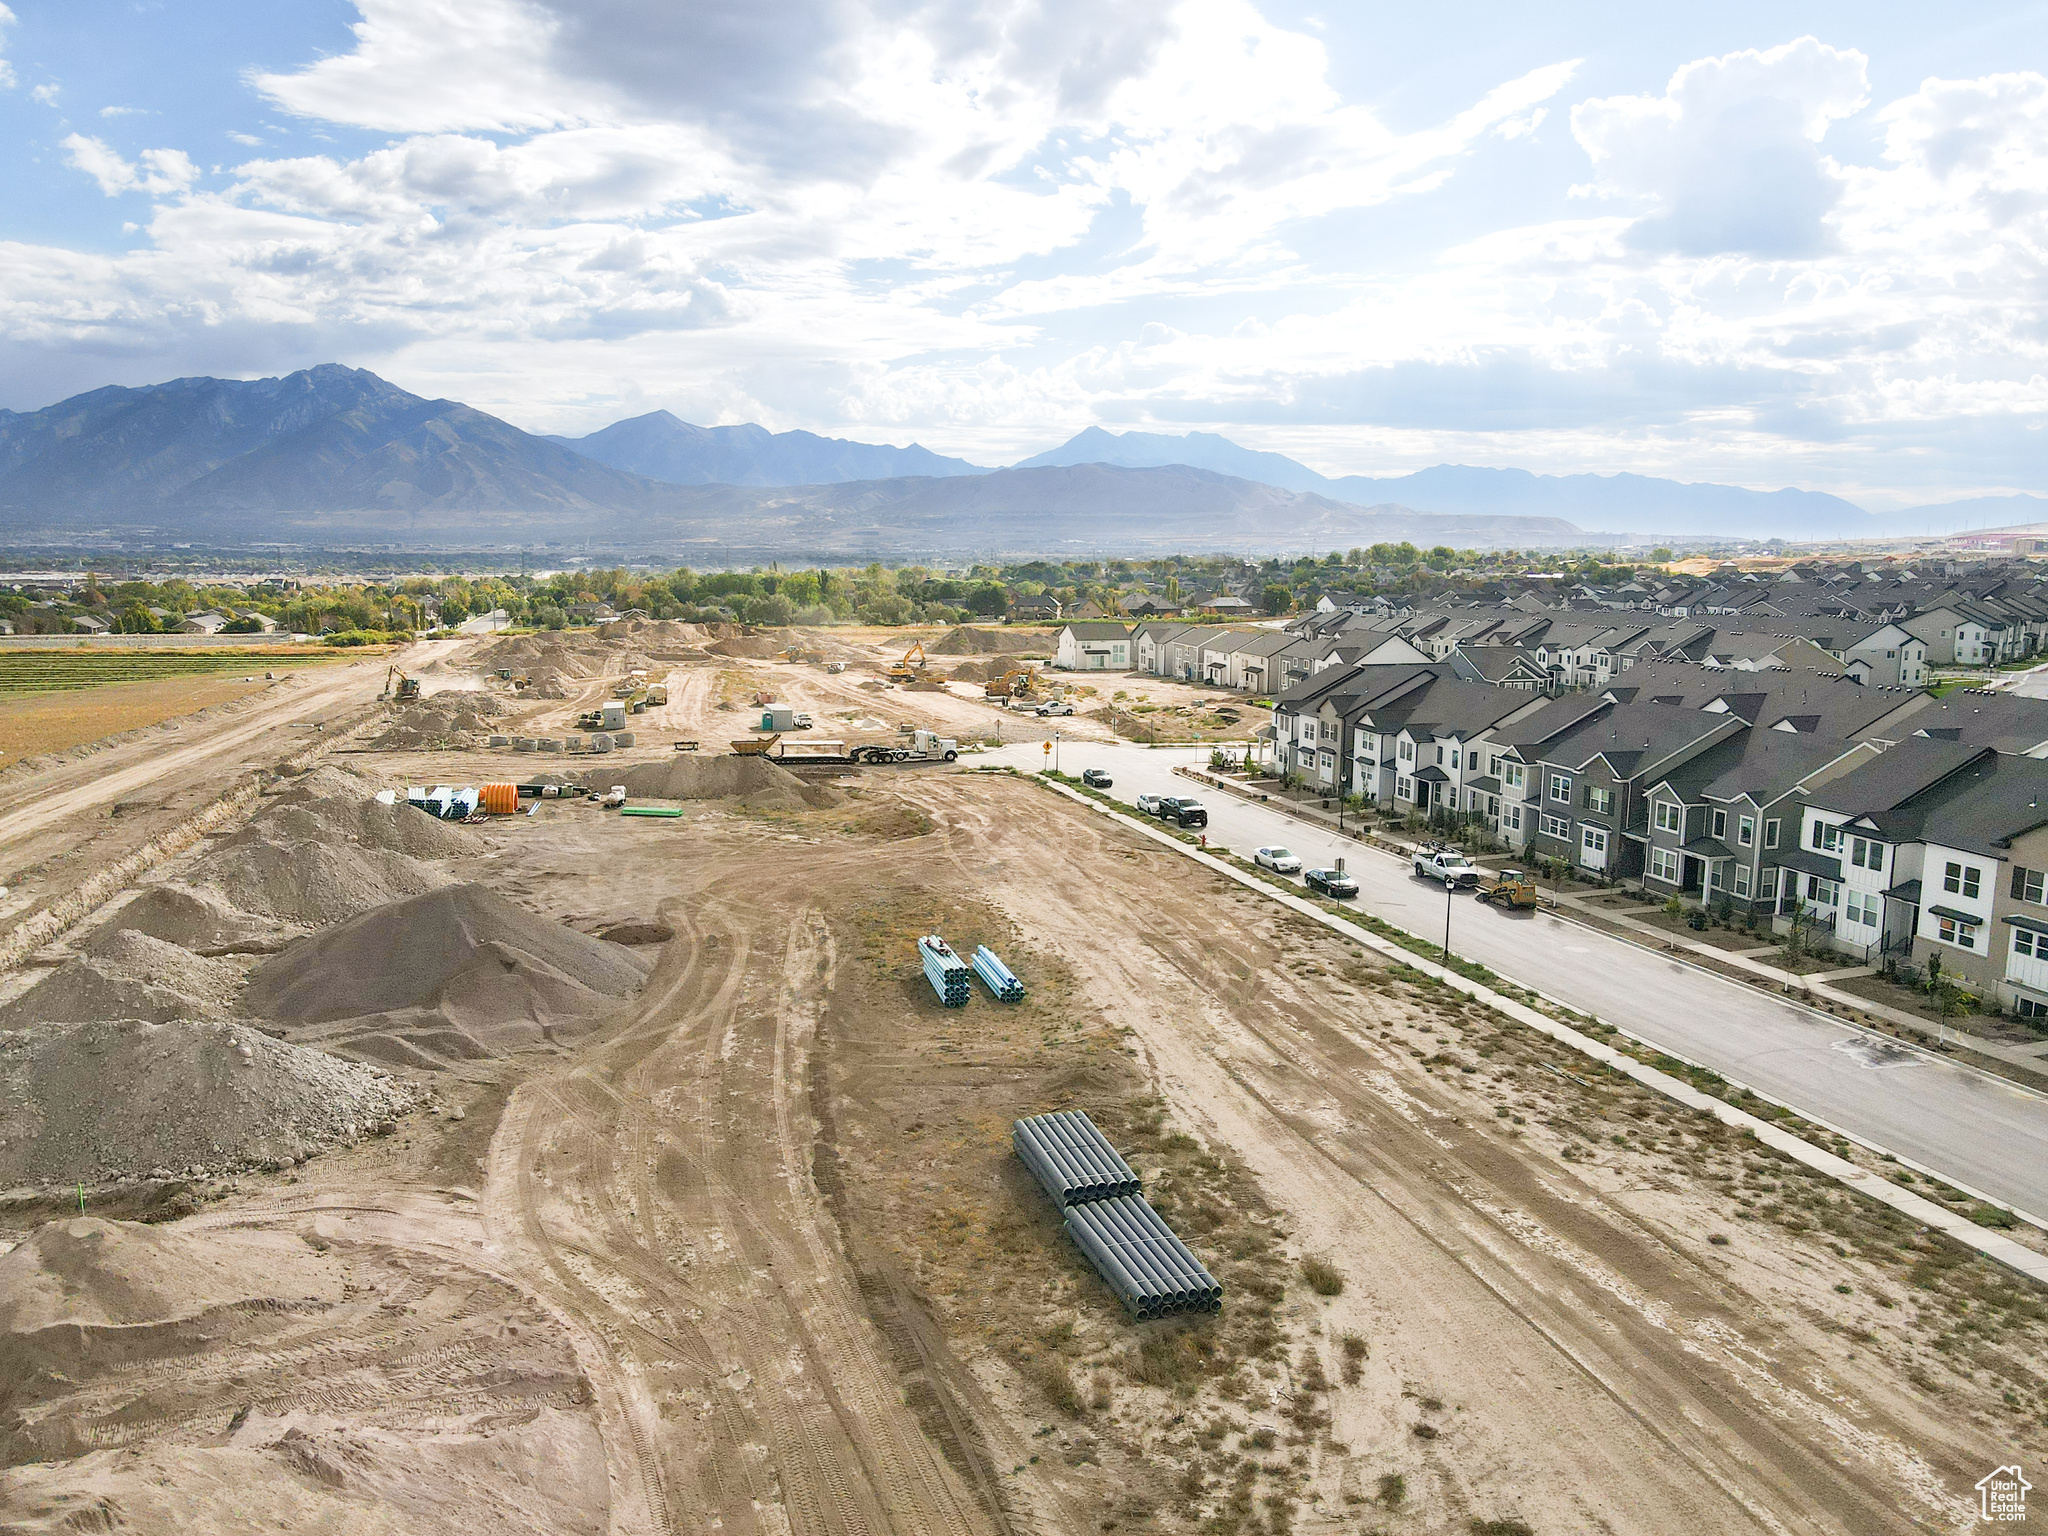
{"x": 657, "y": 694}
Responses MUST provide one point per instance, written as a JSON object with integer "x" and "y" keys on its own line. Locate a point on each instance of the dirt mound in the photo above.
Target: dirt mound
{"x": 308, "y": 881}
{"x": 123, "y": 1098}
{"x": 128, "y": 975}
{"x": 749, "y": 647}
{"x": 355, "y": 817}
{"x": 191, "y": 919}
{"x": 455, "y": 975}
{"x": 755, "y": 782}
{"x": 92, "y": 1273}
{"x": 965, "y": 640}
{"x": 452, "y": 719}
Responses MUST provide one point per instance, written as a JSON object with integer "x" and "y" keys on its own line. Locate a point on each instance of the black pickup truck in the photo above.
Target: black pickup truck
{"x": 1182, "y": 811}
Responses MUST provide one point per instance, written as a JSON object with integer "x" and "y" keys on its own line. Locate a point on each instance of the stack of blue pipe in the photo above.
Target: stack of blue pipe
{"x": 944, "y": 970}
{"x": 997, "y": 977}
{"x": 1151, "y": 1270}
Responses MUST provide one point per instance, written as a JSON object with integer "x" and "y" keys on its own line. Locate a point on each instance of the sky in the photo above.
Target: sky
{"x": 1784, "y": 244}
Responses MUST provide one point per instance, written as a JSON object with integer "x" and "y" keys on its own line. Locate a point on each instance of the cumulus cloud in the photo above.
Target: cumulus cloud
{"x": 1730, "y": 153}
{"x": 159, "y": 173}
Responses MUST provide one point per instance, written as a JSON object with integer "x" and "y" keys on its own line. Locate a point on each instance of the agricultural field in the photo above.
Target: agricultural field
{"x": 52, "y": 703}
{"x": 24, "y": 673}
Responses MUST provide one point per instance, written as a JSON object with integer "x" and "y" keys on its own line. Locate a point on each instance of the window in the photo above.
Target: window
{"x": 1601, "y": 800}
{"x": 1561, "y": 788}
{"x": 1961, "y": 934}
{"x": 1556, "y": 826}
{"x": 2027, "y": 884}
{"x": 1454, "y": 757}
{"x": 1407, "y": 752}
{"x": 1439, "y": 755}
{"x": 2027, "y": 1008}
{"x": 1720, "y": 823}
{"x": 1742, "y": 879}
{"x": 1670, "y": 818}
{"x": 1961, "y": 879}
{"x": 1767, "y": 884}
{"x": 1664, "y": 865}
{"x": 1513, "y": 818}
{"x": 1594, "y": 839}
{"x": 2026, "y": 942}
{"x": 1404, "y": 789}
{"x": 1861, "y": 910}
{"x": 1471, "y": 799}
{"x": 1865, "y": 853}
{"x": 1745, "y": 830}
{"x": 1493, "y": 764}
{"x": 1827, "y": 837}
{"x": 1771, "y": 833}
{"x": 1821, "y": 893}
{"x": 1515, "y": 776}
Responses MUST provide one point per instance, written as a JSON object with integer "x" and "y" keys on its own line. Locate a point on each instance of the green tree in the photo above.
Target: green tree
{"x": 1276, "y": 599}
{"x": 137, "y": 620}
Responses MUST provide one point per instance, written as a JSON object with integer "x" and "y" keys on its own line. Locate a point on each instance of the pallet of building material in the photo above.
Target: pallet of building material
{"x": 1071, "y": 1159}
{"x": 944, "y": 970}
{"x": 996, "y": 976}
{"x": 669, "y": 811}
{"x": 1153, "y": 1272}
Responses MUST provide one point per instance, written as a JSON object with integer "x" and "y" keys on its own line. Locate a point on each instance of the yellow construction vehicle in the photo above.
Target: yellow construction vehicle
{"x": 911, "y": 667}
{"x": 790, "y": 653}
{"x": 398, "y": 686}
{"x": 1017, "y": 683}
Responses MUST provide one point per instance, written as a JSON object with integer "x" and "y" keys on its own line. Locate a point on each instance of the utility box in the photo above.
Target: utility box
{"x": 614, "y": 712}
{"x": 778, "y": 717}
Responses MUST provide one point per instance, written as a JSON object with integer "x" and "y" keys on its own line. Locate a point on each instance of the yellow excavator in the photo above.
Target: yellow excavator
{"x": 398, "y": 686}
{"x": 1017, "y": 683}
{"x": 911, "y": 667}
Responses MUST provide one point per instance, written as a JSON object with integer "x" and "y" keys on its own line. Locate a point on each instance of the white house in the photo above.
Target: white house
{"x": 1094, "y": 646}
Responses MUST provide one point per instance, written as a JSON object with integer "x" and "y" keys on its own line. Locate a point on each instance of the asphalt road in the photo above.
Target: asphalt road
{"x": 1976, "y": 1130}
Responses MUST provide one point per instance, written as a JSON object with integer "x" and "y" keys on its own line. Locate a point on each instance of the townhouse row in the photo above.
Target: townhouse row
{"x": 1768, "y": 792}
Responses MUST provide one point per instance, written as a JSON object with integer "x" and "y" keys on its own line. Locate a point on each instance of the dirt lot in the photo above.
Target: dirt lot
{"x": 56, "y": 722}
{"x": 752, "y": 1254}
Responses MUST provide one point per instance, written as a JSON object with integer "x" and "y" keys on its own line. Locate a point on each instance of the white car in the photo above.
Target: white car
{"x": 1278, "y": 860}
{"x": 1147, "y": 805}
{"x": 1061, "y": 708}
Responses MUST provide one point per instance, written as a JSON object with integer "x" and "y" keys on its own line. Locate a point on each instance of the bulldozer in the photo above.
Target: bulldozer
{"x": 398, "y": 686}
{"x": 911, "y": 667}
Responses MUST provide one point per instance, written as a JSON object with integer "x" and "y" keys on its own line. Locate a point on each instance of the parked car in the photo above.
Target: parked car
{"x": 1278, "y": 860}
{"x": 1148, "y": 805}
{"x": 1059, "y": 708}
{"x": 800, "y": 721}
{"x": 1095, "y": 778}
{"x": 1182, "y": 811}
{"x": 1330, "y": 882}
{"x": 1448, "y": 865}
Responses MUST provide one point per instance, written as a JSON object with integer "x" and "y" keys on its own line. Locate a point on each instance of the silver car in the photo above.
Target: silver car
{"x": 1278, "y": 860}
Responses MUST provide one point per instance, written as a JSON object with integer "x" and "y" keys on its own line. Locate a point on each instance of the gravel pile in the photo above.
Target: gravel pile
{"x": 308, "y": 882}
{"x": 445, "y": 720}
{"x": 126, "y": 1098}
{"x": 128, "y": 975}
{"x": 192, "y": 919}
{"x": 966, "y": 641}
{"x": 754, "y": 782}
{"x": 455, "y": 975}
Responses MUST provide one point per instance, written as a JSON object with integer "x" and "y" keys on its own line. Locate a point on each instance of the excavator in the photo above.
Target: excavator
{"x": 398, "y": 686}
{"x": 1017, "y": 683}
{"x": 911, "y": 667}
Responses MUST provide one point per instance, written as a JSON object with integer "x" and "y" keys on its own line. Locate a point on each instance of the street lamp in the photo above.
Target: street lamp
{"x": 1447, "y": 925}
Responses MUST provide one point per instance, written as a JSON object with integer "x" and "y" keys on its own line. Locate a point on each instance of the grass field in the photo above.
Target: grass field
{"x": 27, "y": 673}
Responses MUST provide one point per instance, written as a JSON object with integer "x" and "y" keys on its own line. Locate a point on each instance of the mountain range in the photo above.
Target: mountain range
{"x": 338, "y": 455}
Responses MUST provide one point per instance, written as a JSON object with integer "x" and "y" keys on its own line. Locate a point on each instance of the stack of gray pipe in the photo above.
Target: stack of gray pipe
{"x": 1152, "y": 1271}
{"x": 1071, "y": 1158}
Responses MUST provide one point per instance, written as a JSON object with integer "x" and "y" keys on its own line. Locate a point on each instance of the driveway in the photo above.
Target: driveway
{"x": 1974, "y": 1129}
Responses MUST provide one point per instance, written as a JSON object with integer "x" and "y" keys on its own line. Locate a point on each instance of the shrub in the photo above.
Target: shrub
{"x": 1507, "y": 1527}
{"x": 1393, "y": 1490}
{"x": 1322, "y": 1276}
{"x": 1057, "y": 1383}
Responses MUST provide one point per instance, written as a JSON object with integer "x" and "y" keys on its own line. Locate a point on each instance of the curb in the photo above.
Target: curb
{"x": 1980, "y": 1239}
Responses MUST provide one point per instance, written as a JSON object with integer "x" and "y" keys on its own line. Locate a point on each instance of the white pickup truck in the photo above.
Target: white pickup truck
{"x": 1447, "y": 865}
